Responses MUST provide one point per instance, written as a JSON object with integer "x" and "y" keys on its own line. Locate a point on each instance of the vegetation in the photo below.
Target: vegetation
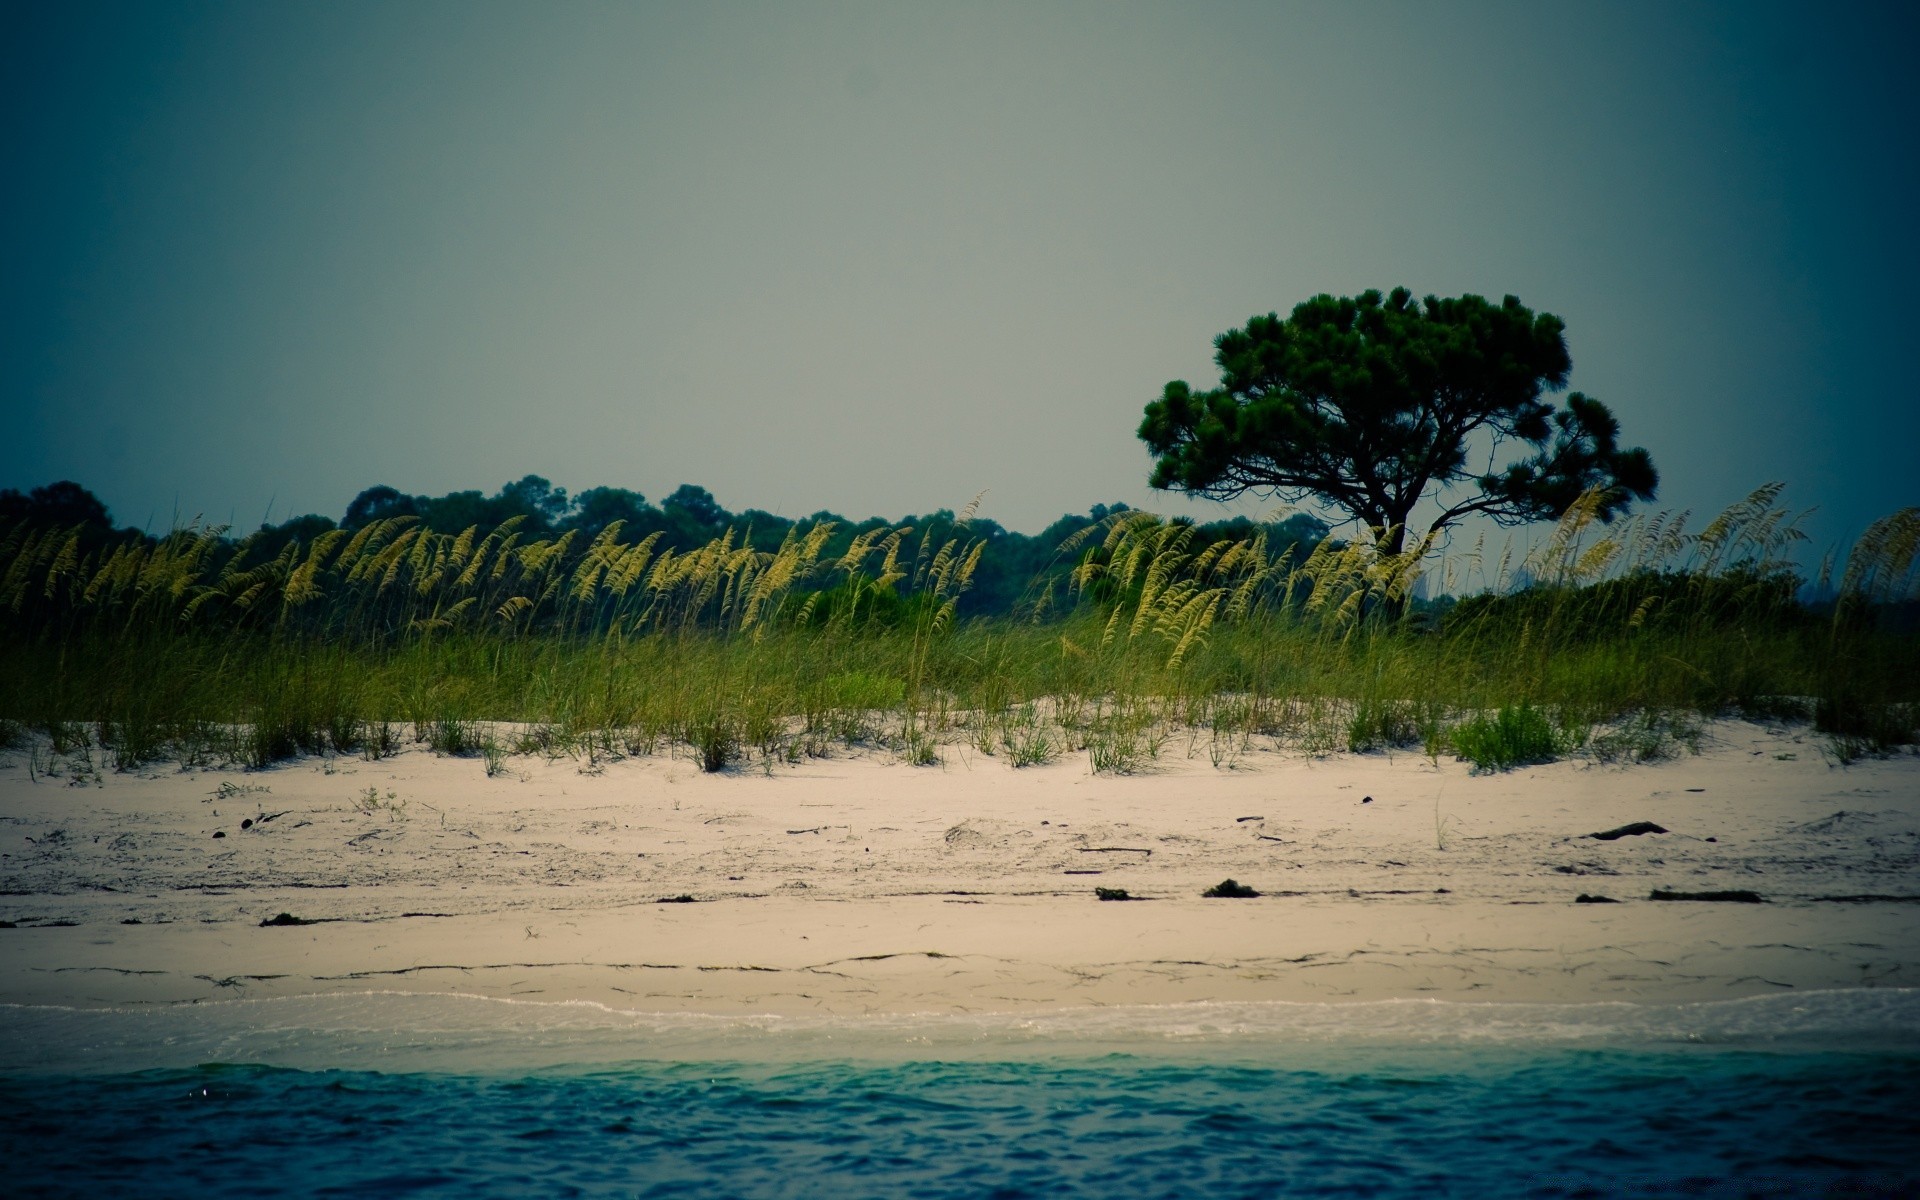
{"x": 1517, "y": 735}
{"x": 1015, "y": 571}
{"x": 1154, "y": 639}
{"x": 1227, "y": 889}
{"x": 1376, "y": 404}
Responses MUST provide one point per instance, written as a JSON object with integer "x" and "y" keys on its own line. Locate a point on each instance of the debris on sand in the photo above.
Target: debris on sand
{"x": 1633, "y": 830}
{"x": 1113, "y": 894}
{"x": 1732, "y": 897}
{"x": 1584, "y": 898}
{"x": 286, "y": 919}
{"x": 1833, "y": 823}
{"x": 1227, "y": 889}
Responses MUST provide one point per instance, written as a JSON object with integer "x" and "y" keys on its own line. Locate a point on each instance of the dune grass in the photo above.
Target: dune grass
{"x": 481, "y": 644}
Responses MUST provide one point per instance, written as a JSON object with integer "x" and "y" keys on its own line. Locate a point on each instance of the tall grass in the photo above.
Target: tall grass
{"x": 189, "y": 648}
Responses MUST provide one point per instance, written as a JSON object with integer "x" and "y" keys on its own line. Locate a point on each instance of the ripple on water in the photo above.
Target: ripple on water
{"x": 1392, "y": 1122}
{"x": 477, "y": 1099}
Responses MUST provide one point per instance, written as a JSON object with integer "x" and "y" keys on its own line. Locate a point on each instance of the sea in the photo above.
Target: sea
{"x": 404, "y": 1094}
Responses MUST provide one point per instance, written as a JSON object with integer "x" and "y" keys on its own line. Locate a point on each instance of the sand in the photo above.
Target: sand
{"x": 858, "y": 884}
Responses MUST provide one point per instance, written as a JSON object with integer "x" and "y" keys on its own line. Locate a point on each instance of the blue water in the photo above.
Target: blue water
{"x": 1819, "y": 1096}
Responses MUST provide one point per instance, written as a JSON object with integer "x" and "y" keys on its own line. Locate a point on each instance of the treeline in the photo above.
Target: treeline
{"x": 1014, "y": 569}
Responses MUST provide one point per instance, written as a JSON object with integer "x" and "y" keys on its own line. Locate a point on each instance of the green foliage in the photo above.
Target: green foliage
{"x": 1381, "y": 724}
{"x": 377, "y": 740}
{"x": 1027, "y": 739}
{"x": 717, "y": 740}
{"x": 495, "y": 755}
{"x": 1160, "y": 641}
{"x": 1227, "y": 889}
{"x": 1858, "y": 728}
{"x": 138, "y": 737}
{"x": 1515, "y": 736}
{"x": 1647, "y": 736}
{"x": 453, "y": 737}
{"x": 1371, "y": 404}
{"x": 66, "y": 737}
{"x": 265, "y": 743}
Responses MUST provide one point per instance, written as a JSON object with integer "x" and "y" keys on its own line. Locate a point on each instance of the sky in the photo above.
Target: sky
{"x": 877, "y": 258}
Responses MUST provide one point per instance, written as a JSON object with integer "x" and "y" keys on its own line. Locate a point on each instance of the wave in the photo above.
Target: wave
{"x": 410, "y": 1031}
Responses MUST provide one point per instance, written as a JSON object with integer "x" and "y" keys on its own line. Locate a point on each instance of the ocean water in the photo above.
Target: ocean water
{"x": 410, "y": 1095}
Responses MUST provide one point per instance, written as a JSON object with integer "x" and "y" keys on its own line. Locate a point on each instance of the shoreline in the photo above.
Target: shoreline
{"x": 857, "y": 885}
{"x": 459, "y": 1033}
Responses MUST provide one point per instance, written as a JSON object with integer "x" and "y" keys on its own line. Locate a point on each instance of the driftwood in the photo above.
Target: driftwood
{"x": 1633, "y": 830}
{"x": 288, "y": 919}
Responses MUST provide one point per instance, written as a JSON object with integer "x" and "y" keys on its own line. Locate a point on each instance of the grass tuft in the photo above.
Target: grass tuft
{"x": 1227, "y": 889}
{"x": 1515, "y": 736}
{"x": 454, "y": 738}
{"x": 716, "y": 742}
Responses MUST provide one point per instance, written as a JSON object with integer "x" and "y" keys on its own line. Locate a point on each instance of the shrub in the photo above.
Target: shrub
{"x": 716, "y": 741}
{"x": 1648, "y": 736}
{"x": 1513, "y": 737}
{"x": 378, "y": 741}
{"x": 265, "y": 742}
{"x": 496, "y": 756}
{"x": 1381, "y": 725}
{"x": 135, "y": 740}
{"x": 1857, "y": 729}
{"x": 456, "y": 738}
{"x": 1227, "y": 889}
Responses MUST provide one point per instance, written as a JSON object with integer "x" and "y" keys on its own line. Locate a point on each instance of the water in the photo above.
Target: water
{"x": 444, "y": 1096}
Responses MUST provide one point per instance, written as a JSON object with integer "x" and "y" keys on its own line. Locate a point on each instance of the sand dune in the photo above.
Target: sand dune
{"x": 859, "y": 884}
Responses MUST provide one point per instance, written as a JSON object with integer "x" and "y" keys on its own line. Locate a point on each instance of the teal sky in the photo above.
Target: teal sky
{"x": 876, "y": 258}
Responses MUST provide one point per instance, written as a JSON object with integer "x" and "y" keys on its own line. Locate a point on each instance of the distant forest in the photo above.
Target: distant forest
{"x": 1011, "y": 563}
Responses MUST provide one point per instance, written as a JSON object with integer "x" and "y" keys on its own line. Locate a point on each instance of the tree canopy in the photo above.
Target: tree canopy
{"x": 1375, "y": 404}
{"x": 1016, "y": 572}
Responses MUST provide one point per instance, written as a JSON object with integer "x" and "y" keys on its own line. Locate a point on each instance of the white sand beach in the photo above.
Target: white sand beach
{"x": 858, "y": 884}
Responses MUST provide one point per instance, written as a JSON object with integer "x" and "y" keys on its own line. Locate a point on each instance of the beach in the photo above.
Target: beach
{"x": 857, "y": 884}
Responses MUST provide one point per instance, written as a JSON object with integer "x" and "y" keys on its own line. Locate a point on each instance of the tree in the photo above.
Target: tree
{"x": 64, "y": 503}
{"x": 694, "y": 515}
{"x": 1374, "y": 405}
{"x": 597, "y": 508}
{"x": 377, "y": 503}
{"x": 544, "y": 504}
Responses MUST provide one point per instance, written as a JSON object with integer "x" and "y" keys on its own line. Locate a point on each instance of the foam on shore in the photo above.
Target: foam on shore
{"x": 402, "y": 1031}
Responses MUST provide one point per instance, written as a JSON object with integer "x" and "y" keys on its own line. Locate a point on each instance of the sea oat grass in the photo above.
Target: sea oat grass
{"x": 187, "y": 648}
